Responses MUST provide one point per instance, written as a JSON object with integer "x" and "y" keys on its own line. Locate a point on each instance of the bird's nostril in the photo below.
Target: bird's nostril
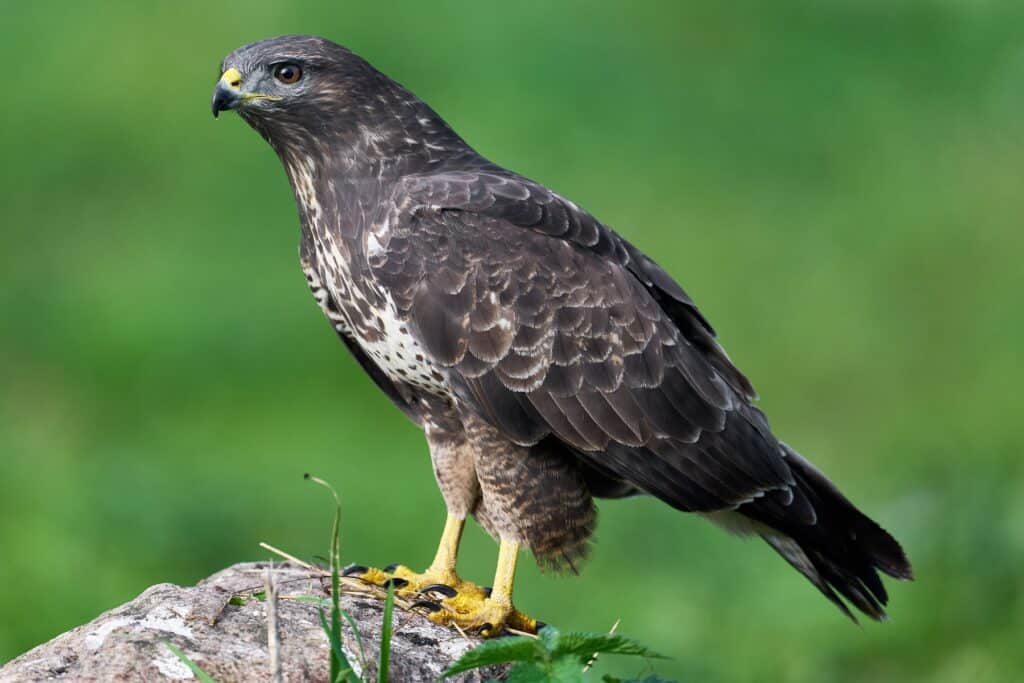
{"x": 235, "y": 83}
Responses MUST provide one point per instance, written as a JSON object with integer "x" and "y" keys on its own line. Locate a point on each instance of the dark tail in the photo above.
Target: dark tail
{"x": 841, "y": 551}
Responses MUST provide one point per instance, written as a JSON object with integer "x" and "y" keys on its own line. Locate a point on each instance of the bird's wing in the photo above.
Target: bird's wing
{"x": 551, "y": 324}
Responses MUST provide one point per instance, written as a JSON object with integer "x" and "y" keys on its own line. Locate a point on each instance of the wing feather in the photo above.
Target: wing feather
{"x": 552, "y": 325}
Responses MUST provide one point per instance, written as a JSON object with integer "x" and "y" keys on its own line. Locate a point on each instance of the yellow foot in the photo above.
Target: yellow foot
{"x": 448, "y": 600}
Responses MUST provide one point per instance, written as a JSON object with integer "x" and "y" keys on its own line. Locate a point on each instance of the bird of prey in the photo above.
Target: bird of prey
{"x": 548, "y": 361}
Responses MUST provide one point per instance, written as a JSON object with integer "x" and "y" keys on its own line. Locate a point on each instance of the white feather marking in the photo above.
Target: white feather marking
{"x": 373, "y": 245}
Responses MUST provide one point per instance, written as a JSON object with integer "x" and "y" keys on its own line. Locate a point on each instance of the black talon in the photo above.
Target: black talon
{"x": 540, "y": 625}
{"x": 484, "y": 628}
{"x": 396, "y": 582}
{"x": 354, "y": 569}
{"x": 443, "y": 589}
{"x": 391, "y": 567}
{"x": 428, "y": 605}
{"x": 487, "y": 591}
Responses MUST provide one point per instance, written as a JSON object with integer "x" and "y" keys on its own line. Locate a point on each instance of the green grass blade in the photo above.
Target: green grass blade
{"x": 339, "y": 663}
{"x": 359, "y": 639}
{"x": 312, "y": 599}
{"x": 385, "y": 635}
{"x": 196, "y": 669}
{"x": 336, "y": 651}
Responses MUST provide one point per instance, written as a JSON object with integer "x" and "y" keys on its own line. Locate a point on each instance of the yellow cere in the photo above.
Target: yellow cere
{"x": 231, "y": 78}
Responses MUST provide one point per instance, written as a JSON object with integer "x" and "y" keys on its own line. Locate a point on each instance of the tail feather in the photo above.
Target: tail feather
{"x": 841, "y": 551}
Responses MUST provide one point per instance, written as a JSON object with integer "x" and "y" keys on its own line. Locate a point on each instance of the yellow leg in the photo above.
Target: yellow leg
{"x": 505, "y": 574}
{"x": 443, "y": 565}
{"x": 497, "y": 611}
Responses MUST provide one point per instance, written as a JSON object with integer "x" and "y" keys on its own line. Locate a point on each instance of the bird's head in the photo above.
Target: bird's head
{"x": 302, "y": 92}
{"x": 292, "y": 78}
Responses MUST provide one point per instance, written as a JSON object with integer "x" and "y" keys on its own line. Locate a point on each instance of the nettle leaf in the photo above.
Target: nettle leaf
{"x": 548, "y": 637}
{"x": 527, "y": 672}
{"x": 587, "y": 644}
{"x": 500, "y": 651}
{"x": 553, "y": 656}
{"x": 564, "y": 670}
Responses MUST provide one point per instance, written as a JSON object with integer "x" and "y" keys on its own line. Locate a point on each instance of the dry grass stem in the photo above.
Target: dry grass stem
{"x": 291, "y": 558}
{"x": 517, "y": 632}
{"x": 273, "y": 637}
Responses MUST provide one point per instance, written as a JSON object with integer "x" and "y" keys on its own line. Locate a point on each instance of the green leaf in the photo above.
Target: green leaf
{"x": 565, "y": 670}
{"x": 385, "y": 635}
{"x": 499, "y": 651}
{"x": 196, "y": 669}
{"x": 237, "y": 600}
{"x": 587, "y": 644}
{"x": 608, "y": 678}
{"x": 548, "y": 638}
{"x": 527, "y": 672}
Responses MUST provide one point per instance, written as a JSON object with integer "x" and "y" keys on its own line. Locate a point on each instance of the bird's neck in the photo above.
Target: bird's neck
{"x": 344, "y": 171}
{"x": 395, "y": 135}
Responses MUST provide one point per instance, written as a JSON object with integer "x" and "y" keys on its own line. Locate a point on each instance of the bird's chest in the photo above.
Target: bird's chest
{"x": 362, "y": 310}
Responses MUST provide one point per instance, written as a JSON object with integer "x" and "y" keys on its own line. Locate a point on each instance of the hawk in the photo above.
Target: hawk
{"x": 548, "y": 361}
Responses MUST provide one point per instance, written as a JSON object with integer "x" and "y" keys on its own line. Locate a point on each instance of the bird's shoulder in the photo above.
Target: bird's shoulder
{"x": 488, "y": 214}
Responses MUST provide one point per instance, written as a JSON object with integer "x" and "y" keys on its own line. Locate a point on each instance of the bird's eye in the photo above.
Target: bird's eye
{"x": 287, "y": 73}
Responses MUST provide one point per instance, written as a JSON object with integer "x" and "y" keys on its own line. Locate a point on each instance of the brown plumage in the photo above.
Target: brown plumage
{"x": 547, "y": 359}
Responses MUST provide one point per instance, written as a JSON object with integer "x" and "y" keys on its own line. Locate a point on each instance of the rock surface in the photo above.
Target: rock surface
{"x": 229, "y": 641}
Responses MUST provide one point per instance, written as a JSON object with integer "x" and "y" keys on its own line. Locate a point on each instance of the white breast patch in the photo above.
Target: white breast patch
{"x": 384, "y": 337}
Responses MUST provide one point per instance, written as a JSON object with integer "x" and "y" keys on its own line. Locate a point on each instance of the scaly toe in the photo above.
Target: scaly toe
{"x": 523, "y": 622}
{"x": 486, "y": 618}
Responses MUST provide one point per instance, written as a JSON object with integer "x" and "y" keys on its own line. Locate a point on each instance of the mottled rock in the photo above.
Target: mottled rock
{"x": 229, "y": 641}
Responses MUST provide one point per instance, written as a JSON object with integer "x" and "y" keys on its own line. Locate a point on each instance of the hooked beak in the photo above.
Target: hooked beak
{"x": 228, "y": 93}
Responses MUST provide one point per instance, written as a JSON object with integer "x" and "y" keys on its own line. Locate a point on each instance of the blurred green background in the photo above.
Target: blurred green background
{"x": 837, "y": 183}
